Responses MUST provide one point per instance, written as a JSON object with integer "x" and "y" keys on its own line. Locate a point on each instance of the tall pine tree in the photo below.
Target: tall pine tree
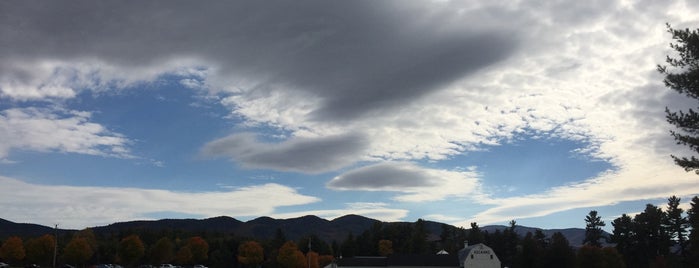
{"x": 676, "y": 223}
{"x": 593, "y": 229}
{"x": 693, "y": 219}
{"x": 682, "y": 75}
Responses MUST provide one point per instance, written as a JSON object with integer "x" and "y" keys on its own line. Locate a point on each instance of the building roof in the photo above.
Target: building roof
{"x": 465, "y": 252}
{"x": 402, "y": 260}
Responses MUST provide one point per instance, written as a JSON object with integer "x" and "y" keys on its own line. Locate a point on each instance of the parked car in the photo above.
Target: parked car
{"x": 167, "y": 265}
{"x": 199, "y": 266}
{"x": 4, "y": 265}
{"x": 33, "y": 265}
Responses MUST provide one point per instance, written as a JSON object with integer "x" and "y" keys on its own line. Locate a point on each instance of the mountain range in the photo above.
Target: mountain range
{"x": 265, "y": 227}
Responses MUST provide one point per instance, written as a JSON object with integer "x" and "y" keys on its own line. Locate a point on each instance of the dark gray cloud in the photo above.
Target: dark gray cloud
{"x": 390, "y": 176}
{"x": 358, "y": 57}
{"x": 306, "y": 155}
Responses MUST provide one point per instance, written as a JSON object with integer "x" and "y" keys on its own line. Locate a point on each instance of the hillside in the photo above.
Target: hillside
{"x": 8, "y": 228}
{"x": 265, "y": 227}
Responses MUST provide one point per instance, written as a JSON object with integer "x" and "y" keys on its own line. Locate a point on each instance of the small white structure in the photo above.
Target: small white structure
{"x": 478, "y": 256}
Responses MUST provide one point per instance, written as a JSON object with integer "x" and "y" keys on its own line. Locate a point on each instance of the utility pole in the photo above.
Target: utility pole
{"x": 309, "y": 252}
{"x": 55, "y": 246}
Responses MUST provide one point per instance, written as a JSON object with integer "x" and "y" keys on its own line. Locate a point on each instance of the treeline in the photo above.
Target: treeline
{"x": 656, "y": 237}
{"x": 659, "y": 237}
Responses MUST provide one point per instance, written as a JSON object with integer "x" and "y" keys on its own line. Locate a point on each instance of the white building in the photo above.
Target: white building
{"x": 478, "y": 255}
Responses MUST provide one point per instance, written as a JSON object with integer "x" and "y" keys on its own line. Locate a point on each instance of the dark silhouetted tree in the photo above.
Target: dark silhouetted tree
{"x": 590, "y": 256}
{"x": 448, "y": 238}
{"x": 676, "y": 223}
{"x": 682, "y": 75}
{"x": 559, "y": 254}
{"x": 531, "y": 254}
{"x": 418, "y": 238}
{"x": 651, "y": 236}
{"x": 693, "y": 220}
{"x": 624, "y": 237}
{"x": 510, "y": 242}
{"x": 349, "y": 246}
{"x": 593, "y": 229}
{"x": 163, "y": 251}
{"x": 475, "y": 235}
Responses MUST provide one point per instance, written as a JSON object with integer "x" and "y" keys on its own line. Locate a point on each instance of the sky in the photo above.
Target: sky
{"x": 450, "y": 111}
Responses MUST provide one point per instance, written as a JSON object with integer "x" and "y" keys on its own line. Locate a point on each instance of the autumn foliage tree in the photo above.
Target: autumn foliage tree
{"x": 184, "y": 255}
{"x": 251, "y": 254}
{"x": 199, "y": 248}
{"x": 12, "y": 249}
{"x": 324, "y": 260}
{"x": 40, "y": 250}
{"x": 77, "y": 251}
{"x": 385, "y": 247}
{"x": 312, "y": 258}
{"x": 131, "y": 249}
{"x": 290, "y": 256}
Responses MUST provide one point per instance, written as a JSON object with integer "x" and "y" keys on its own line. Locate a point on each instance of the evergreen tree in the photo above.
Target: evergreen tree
{"x": 693, "y": 220}
{"x": 623, "y": 235}
{"x": 559, "y": 254}
{"x": 651, "y": 236}
{"x": 676, "y": 223}
{"x": 593, "y": 229}
{"x": 418, "y": 238}
{"x": 348, "y": 247}
{"x": 531, "y": 254}
{"x": 163, "y": 251}
{"x": 683, "y": 77}
{"x": 475, "y": 235}
{"x": 448, "y": 238}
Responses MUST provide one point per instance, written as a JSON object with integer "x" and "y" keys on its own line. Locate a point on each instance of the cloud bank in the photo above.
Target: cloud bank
{"x": 81, "y": 206}
{"x": 379, "y": 87}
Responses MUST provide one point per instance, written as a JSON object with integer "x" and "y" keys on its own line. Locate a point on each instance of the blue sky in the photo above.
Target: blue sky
{"x": 452, "y": 111}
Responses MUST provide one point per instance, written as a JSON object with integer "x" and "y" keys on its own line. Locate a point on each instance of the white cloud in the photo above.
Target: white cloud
{"x": 414, "y": 183}
{"x": 80, "y": 207}
{"x": 40, "y": 129}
